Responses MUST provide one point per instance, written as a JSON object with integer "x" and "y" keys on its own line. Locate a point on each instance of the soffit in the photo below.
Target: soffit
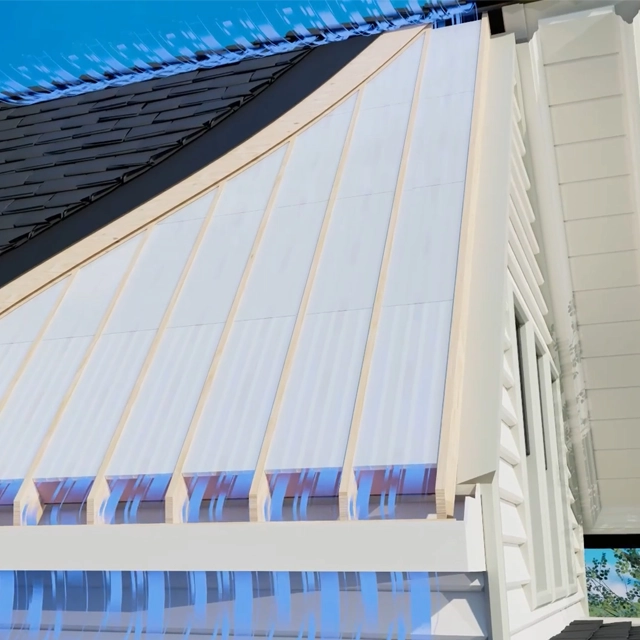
{"x": 593, "y": 99}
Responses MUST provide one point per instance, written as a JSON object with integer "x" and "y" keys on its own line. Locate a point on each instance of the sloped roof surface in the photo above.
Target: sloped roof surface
{"x": 598, "y": 630}
{"x": 57, "y": 157}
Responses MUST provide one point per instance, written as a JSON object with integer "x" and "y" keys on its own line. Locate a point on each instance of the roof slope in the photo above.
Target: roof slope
{"x": 61, "y": 157}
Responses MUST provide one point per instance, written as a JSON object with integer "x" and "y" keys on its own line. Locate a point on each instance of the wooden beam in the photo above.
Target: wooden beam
{"x": 447, "y": 466}
{"x": 347, "y": 493}
{"x": 177, "y": 498}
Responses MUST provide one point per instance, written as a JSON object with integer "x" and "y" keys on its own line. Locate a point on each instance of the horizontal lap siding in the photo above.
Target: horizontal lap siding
{"x": 521, "y": 525}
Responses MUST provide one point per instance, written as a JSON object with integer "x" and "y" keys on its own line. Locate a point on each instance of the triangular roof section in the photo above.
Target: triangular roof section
{"x": 72, "y": 165}
{"x": 310, "y": 276}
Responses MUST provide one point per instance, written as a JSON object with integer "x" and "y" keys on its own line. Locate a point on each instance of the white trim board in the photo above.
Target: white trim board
{"x": 388, "y": 545}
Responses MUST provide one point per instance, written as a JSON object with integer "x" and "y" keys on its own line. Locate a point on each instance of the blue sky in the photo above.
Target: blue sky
{"x": 60, "y": 40}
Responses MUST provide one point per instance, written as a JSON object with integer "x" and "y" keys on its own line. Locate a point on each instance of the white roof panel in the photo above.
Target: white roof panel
{"x": 85, "y": 303}
{"x": 348, "y": 272}
{"x": 211, "y": 284}
{"x": 33, "y": 404}
{"x": 152, "y": 438}
{"x": 250, "y": 189}
{"x": 235, "y": 416}
{"x": 23, "y": 323}
{"x": 405, "y": 390}
{"x": 152, "y": 280}
{"x": 281, "y": 268}
{"x": 424, "y": 254}
{"x": 315, "y": 152}
{"x": 92, "y": 413}
{"x": 452, "y": 58}
{"x": 315, "y": 419}
{"x": 195, "y": 210}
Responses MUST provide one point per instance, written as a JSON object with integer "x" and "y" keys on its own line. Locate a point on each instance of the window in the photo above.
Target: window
{"x": 545, "y": 419}
{"x": 525, "y": 410}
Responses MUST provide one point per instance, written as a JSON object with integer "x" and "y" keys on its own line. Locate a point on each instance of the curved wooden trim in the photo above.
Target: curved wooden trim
{"x": 339, "y": 88}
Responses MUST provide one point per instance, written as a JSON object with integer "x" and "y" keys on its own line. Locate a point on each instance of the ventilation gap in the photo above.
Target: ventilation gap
{"x": 222, "y": 497}
{"x": 396, "y": 493}
{"x": 309, "y": 494}
{"x": 137, "y": 499}
{"x": 64, "y": 501}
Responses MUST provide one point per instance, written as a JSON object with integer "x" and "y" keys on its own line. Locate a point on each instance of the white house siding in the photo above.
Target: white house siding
{"x": 542, "y": 555}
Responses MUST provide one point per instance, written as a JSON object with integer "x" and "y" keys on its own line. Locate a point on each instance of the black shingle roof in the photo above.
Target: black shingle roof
{"x": 57, "y": 157}
{"x": 68, "y": 167}
{"x": 598, "y": 630}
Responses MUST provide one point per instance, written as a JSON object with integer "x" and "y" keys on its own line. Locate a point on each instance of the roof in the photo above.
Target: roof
{"x": 597, "y": 629}
{"x": 59, "y": 159}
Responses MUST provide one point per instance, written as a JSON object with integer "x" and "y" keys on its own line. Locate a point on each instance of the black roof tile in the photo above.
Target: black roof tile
{"x": 109, "y": 151}
{"x": 595, "y": 629}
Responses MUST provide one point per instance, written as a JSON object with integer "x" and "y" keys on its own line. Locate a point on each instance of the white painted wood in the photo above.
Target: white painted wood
{"x": 34, "y": 401}
{"x": 236, "y": 411}
{"x": 608, "y": 305}
{"x": 374, "y": 155}
{"x": 403, "y": 403}
{"x": 595, "y": 198}
{"x": 451, "y": 61}
{"x": 616, "y": 434}
{"x": 241, "y": 546}
{"x": 316, "y": 153}
{"x": 612, "y": 371}
{"x": 277, "y": 280}
{"x": 516, "y": 570}
{"x": 250, "y": 189}
{"x": 196, "y": 210}
{"x": 563, "y": 38}
{"x": 348, "y": 271}
{"x": 618, "y": 464}
{"x": 592, "y": 160}
{"x": 605, "y": 270}
{"x": 155, "y": 430}
{"x": 321, "y": 392}
{"x": 508, "y": 447}
{"x": 86, "y": 301}
{"x": 439, "y": 152}
{"x": 589, "y": 120}
{"x": 394, "y": 84}
{"x": 510, "y": 489}
{"x": 153, "y": 278}
{"x": 614, "y": 404}
{"x": 95, "y": 406}
{"x": 462, "y": 614}
{"x": 509, "y": 414}
{"x": 512, "y": 528}
{"x": 619, "y": 492}
{"x": 601, "y": 235}
{"x": 424, "y": 256}
{"x": 610, "y": 339}
{"x": 585, "y": 79}
{"x": 210, "y": 286}
{"x": 25, "y": 322}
